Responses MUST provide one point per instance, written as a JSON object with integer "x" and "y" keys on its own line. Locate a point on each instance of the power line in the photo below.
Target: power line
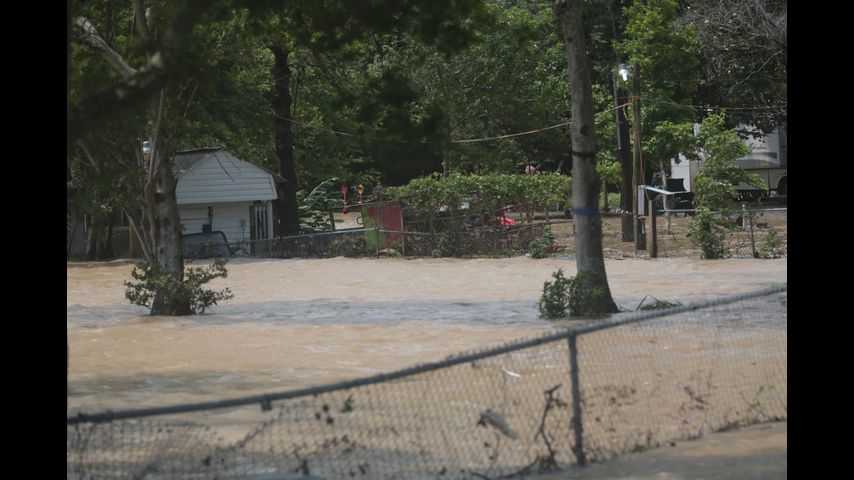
{"x": 530, "y": 132}
{"x": 470, "y": 140}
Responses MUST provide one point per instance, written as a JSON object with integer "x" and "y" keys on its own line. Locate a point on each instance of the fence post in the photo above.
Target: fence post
{"x": 377, "y": 229}
{"x": 653, "y": 249}
{"x": 577, "y": 426}
{"x": 752, "y": 240}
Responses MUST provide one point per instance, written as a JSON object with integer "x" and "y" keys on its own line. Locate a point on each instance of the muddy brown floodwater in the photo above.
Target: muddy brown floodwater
{"x": 297, "y": 323}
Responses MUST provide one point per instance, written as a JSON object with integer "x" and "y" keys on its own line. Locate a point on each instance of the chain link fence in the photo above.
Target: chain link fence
{"x": 627, "y": 384}
{"x": 747, "y": 233}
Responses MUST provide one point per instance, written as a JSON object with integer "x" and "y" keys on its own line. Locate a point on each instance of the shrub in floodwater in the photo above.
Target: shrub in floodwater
{"x": 185, "y": 294}
{"x": 574, "y": 294}
{"x": 555, "y": 298}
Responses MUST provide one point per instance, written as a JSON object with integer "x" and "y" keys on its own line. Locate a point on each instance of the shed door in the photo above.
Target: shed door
{"x": 258, "y": 224}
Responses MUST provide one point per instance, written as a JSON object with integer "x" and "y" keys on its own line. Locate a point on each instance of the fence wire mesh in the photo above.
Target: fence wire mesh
{"x": 626, "y": 384}
{"x": 747, "y": 233}
{"x": 742, "y": 234}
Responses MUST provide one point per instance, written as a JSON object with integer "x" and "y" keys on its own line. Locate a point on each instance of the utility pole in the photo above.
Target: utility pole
{"x": 636, "y": 126}
{"x": 625, "y": 157}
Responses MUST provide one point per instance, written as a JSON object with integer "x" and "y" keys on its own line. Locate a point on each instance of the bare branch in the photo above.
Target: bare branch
{"x": 91, "y": 38}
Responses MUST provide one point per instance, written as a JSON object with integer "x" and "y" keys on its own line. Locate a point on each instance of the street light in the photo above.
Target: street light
{"x": 624, "y": 71}
{"x": 621, "y": 97}
{"x": 634, "y": 71}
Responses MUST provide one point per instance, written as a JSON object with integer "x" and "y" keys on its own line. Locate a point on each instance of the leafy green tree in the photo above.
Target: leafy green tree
{"x": 664, "y": 52}
{"x": 715, "y": 191}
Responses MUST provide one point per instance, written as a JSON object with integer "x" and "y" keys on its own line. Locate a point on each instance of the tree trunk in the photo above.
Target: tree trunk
{"x": 585, "y": 180}
{"x": 96, "y": 227}
{"x": 287, "y": 210}
{"x": 107, "y": 251}
{"x": 166, "y": 232}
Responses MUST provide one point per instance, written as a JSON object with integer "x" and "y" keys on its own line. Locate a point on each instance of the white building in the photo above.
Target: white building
{"x": 219, "y": 192}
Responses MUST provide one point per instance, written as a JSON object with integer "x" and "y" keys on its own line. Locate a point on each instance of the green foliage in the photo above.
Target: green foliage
{"x": 444, "y": 245}
{"x": 348, "y": 246}
{"x": 720, "y": 148}
{"x": 555, "y": 298}
{"x": 665, "y": 54}
{"x": 543, "y": 246}
{"x": 708, "y": 230}
{"x": 314, "y": 207}
{"x": 772, "y": 246}
{"x": 186, "y": 293}
{"x": 576, "y": 294}
{"x": 614, "y": 200}
{"x": 664, "y": 51}
{"x": 487, "y": 193}
{"x": 714, "y": 187}
{"x": 609, "y": 171}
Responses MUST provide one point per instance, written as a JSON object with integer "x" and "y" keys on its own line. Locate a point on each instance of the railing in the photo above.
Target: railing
{"x": 627, "y": 384}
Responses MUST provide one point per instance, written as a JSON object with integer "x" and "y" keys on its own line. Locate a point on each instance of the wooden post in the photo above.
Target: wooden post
{"x": 653, "y": 251}
{"x": 752, "y": 239}
{"x": 636, "y": 158}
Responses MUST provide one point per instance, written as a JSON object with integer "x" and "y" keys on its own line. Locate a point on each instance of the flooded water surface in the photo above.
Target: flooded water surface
{"x": 298, "y": 323}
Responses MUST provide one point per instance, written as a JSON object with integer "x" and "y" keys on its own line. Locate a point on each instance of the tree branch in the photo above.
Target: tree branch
{"x": 141, "y": 21}
{"x": 91, "y": 38}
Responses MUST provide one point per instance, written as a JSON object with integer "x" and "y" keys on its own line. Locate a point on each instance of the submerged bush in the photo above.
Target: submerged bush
{"x": 555, "y": 298}
{"x": 574, "y": 294}
{"x": 186, "y": 294}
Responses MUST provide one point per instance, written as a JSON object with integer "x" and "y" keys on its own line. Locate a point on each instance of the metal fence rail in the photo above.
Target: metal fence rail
{"x": 757, "y": 233}
{"x": 622, "y": 385}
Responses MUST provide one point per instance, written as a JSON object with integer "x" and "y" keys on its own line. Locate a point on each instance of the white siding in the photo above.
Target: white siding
{"x": 222, "y": 177}
{"x": 682, "y": 170}
{"x": 226, "y": 218}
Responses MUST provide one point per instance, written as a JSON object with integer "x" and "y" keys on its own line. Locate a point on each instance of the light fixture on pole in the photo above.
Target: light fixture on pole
{"x": 625, "y": 72}
{"x": 624, "y": 155}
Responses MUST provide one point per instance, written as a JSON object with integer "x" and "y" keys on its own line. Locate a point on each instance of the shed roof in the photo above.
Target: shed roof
{"x": 186, "y": 160}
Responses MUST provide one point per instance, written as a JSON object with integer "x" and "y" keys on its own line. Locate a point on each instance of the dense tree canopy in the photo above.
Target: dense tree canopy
{"x": 387, "y": 91}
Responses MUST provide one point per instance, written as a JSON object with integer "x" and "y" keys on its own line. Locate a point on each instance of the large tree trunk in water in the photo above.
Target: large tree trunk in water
{"x": 287, "y": 210}
{"x": 166, "y": 232}
{"x": 585, "y": 180}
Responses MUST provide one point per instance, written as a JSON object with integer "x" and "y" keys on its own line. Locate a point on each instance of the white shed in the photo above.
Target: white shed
{"x": 219, "y": 192}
